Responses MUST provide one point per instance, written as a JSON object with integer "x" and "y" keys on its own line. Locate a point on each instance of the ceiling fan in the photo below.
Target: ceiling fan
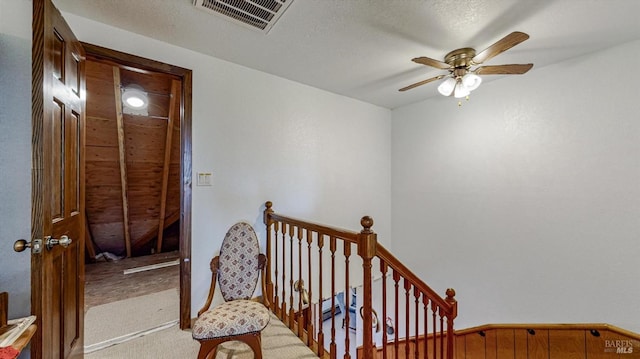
{"x": 463, "y": 77}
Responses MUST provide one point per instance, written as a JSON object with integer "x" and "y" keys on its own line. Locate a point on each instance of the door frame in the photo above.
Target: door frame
{"x": 141, "y": 63}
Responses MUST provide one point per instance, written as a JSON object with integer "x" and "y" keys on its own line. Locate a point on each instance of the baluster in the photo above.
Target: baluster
{"x": 396, "y": 279}
{"x": 440, "y": 311}
{"x": 292, "y": 229}
{"x": 416, "y": 294}
{"x": 435, "y": 329}
{"x": 320, "y": 271}
{"x": 301, "y": 281}
{"x": 347, "y": 254}
{"x": 276, "y": 300}
{"x": 284, "y": 272}
{"x": 309, "y": 277}
{"x": 425, "y": 303}
{"x": 407, "y": 342}
{"x": 267, "y": 221}
{"x": 333, "y": 346}
{"x": 384, "y": 269}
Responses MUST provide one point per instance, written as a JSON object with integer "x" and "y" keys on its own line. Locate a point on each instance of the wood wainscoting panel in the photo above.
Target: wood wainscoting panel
{"x": 475, "y": 344}
{"x": 505, "y": 344}
{"x": 596, "y": 345}
{"x": 491, "y": 344}
{"x": 538, "y": 343}
{"x": 567, "y": 344}
{"x": 529, "y": 341}
{"x": 548, "y": 341}
{"x": 461, "y": 347}
{"x": 520, "y": 340}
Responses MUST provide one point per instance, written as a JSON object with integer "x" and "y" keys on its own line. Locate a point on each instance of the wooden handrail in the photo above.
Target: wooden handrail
{"x": 347, "y": 235}
{"x": 405, "y": 272}
{"x": 447, "y": 308}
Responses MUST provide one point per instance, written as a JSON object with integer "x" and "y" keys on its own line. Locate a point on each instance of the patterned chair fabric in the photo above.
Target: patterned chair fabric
{"x": 238, "y": 269}
{"x": 231, "y": 318}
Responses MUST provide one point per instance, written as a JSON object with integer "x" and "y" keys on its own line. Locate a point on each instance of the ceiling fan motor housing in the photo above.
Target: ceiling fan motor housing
{"x": 460, "y": 60}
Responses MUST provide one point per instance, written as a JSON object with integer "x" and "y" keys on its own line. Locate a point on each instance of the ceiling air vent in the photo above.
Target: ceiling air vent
{"x": 260, "y": 15}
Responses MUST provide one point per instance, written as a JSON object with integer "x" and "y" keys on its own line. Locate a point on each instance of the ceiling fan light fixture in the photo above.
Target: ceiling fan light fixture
{"x": 471, "y": 81}
{"x": 461, "y": 80}
{"x": 460, "y": 90}
{"x": 447, "y": 86}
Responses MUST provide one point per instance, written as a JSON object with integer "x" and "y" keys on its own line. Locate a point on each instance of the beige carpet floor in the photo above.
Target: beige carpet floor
{"x": 120, "y": 320}
{"x": 277, "y": 343}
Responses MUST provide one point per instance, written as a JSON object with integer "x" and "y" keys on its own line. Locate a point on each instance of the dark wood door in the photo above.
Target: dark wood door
{"x": 57, "y": 270}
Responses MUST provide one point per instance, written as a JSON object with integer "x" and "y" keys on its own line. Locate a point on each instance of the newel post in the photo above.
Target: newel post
{"x": 367, "y": 241}
{"x": 268, "y": 211}
{"x": 453, "y": 303}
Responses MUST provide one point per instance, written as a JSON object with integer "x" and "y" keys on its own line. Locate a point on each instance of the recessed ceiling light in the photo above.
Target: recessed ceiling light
{"x": 133, "y": 96}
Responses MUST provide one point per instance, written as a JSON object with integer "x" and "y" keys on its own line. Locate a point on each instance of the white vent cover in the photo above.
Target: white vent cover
{"x": 260, "y": 15}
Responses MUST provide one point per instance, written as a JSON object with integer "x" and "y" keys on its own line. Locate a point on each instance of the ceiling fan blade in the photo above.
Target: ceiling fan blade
{"x": 422, "y": 83}
{"x": 431, "y": 62}
{"x": 513, "y": 69}
{"x": 500, "y": 46}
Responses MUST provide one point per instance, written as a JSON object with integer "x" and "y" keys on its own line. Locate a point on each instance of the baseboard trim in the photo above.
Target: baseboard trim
{"x": 127, "y": 337}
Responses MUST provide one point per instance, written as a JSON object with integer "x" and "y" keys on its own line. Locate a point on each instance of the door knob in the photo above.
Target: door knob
{"x": 64, "y": 241}
{"x": 21, "y": 244}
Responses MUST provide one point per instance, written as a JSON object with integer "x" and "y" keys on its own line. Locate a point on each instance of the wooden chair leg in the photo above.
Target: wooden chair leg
{"x": 209, "y": 347}
{"x": 254, "y": 342}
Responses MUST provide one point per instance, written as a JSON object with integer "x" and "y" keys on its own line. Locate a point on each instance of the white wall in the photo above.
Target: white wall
{"x": 527, "y": 198}
{"x": 316, "y": 155}
{"x": 15, "y": 153}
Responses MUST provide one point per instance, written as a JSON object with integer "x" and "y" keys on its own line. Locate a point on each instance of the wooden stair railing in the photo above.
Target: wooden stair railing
{"x": 421, "y": 339}
{"x": 322, "y": 256}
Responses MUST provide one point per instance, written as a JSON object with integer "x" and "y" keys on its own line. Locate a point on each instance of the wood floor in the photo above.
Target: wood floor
{"x": 105, "y": 282}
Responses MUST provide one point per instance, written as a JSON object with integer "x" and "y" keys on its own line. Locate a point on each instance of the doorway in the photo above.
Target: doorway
{"x": 138, "y": 171}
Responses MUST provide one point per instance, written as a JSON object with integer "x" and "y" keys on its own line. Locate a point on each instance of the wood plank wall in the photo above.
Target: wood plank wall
{"x": 399, "y": 351}
{"x": 548, "y": 341}
{"x": 532, "y": 341}
{"x": 144, "y": 141}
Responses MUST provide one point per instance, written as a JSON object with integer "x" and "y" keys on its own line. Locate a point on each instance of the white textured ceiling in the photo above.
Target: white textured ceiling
{"x": 363, "y": 48}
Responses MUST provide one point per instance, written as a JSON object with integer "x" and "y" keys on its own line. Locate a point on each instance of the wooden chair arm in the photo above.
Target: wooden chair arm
{"x": 262, "y": 265}
{"x": 4, "y": 308}
{"x": 212, "y": 288}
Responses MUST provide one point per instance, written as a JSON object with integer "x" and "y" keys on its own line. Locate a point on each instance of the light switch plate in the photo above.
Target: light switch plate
{"x": 204, "y": 179}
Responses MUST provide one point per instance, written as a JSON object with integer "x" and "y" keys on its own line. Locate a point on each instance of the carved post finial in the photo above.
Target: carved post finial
{"x": 367, "y": 223}
{"x": 450, "y": 294}
{"x": 267, "y": 211}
